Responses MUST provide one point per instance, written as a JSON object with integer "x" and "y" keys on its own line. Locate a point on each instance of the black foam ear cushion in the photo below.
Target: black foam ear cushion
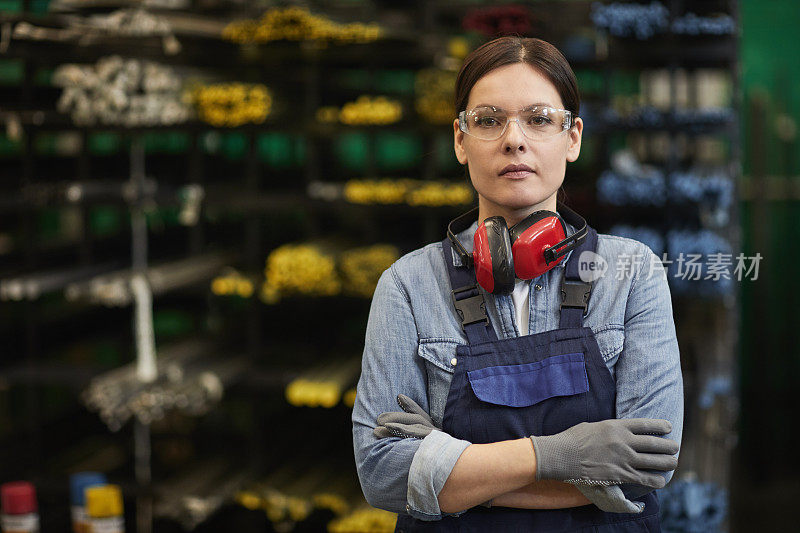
{"x": 502, "y": 257}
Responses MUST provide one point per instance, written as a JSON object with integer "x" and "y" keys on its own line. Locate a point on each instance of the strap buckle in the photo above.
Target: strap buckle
{"x": 575, "y": 294}
{"x": 471, "y": 309}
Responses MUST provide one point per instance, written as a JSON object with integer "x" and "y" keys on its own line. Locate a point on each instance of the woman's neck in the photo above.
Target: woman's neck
{"x": 488, "y": 209}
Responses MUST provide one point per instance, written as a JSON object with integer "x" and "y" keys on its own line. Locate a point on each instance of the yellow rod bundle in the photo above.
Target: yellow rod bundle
{"x": 364, "y": 519}
{"x": 323, "y": 385}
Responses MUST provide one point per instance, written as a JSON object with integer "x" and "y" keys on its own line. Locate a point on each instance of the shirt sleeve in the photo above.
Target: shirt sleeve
{"x": 398, "y": 475}
{"x": 648, "y": 371}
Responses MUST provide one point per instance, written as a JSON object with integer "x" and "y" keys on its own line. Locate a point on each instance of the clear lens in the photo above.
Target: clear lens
{"x": 537, "y": 123}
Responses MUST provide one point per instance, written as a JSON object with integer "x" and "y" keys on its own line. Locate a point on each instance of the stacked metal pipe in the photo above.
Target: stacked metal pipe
{"x": 114, "y": 289}
{"x": 194, "y": 495}
{"x": 187, "y": 380}
{"x": 121, "y": 91}
{"x": 289, "y": 497}
{"x": 32, "y": 286}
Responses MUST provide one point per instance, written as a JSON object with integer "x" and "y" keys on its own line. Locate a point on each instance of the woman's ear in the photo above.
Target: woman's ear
{"x": 458, "y": 143}
{"x": 575, "y": 134}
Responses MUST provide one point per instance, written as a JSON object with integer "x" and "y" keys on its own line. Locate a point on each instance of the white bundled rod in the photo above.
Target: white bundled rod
{"x": 116, "y": 289}
{"x": 31, "y": 286}
{"x": 196, "y": 493}
{"x": 146, "y": 369}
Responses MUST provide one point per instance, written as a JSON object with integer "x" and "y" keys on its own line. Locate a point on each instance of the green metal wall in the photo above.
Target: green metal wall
{"x": 770, "y": 222}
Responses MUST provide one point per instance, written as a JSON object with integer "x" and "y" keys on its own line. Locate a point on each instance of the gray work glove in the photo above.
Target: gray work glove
{"x": 413, "y": 422}
{"x": 609, "y": 498}
{"x": 608, "y": 452}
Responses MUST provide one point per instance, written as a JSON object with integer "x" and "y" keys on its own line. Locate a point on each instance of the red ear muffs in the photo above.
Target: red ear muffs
{"x": 492, "y": 256}
{"x": 501, "y": 254}
{"x": 526, "y": 250}
{"x": 531, "y": 237}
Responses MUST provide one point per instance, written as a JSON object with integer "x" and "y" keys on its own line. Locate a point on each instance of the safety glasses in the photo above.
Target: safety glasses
{"x": 537, "y": 123}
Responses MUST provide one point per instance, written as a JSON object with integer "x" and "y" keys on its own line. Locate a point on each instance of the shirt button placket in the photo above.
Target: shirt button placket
{"x": 539, "y": 311}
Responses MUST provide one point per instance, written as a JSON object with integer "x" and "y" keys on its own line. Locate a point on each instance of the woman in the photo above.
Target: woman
{"x": 548, "y": 403}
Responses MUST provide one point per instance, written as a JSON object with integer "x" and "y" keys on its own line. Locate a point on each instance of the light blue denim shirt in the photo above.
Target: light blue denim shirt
{"x": 410, "y": 348}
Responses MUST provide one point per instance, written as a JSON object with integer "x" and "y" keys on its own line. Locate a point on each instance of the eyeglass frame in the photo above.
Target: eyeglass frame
{"x": 462, "y": 122}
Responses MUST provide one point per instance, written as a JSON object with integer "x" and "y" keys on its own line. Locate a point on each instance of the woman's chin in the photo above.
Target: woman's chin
{"x": 516, "y": 202}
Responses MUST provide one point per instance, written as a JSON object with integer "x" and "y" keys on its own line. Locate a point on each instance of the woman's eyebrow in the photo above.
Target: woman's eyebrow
{"x": 535, "y": 104}
{"x": 538, "y": 104}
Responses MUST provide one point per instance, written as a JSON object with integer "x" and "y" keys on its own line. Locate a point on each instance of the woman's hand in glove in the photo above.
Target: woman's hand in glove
{"x": 413, "y": 422}
{"x": 609, "y": 498}
{"x": 608, "y": 452}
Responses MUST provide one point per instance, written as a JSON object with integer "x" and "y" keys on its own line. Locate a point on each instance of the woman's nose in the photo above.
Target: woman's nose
{"x": 513, "y": 139}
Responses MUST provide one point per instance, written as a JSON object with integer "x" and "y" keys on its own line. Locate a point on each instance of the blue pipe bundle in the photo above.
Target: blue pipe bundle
{"x": 646, "y": 189}
{"x": 687, "y": 275}
{"x": 641, "y": 117}
{"x": 692, "y": 507}
{"x": 645, "y": 21}
{"x": 631, "y": 20}
{"x": 652, "y": 238}
{"x": 713, "y": 387}
{"x": 694, "y": 120}
{"x": 691, "y": 24}
{"x": 714, "y": 191}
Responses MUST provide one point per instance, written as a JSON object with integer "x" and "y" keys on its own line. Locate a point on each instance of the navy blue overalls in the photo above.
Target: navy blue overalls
{"x": 536, "y": 384}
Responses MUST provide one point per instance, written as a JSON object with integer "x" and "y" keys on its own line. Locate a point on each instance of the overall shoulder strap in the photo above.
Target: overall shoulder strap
{"x": 575, "y": 292}
{"x": 468, "y": 299}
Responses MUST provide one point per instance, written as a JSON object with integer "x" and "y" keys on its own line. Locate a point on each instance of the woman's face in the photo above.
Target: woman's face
{"x": 515, "y": 195}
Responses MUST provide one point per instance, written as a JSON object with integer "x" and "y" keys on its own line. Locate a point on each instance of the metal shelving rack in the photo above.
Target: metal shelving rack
{"x": 707, "y": 327}
{"x": 253, "y": 197}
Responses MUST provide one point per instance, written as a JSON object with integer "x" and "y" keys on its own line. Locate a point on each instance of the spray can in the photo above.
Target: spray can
{"x": 20, "y": 514}
{"x": 78, "y": 483}
{"x": 104, "y": 508}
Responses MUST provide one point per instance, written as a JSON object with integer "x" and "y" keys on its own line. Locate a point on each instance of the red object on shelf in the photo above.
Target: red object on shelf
{"x": 498, "y": 20}
{"x": 18, "y": 497}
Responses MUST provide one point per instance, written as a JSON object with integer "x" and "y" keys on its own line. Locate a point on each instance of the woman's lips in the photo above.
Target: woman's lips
{"x": 516, "y": 174}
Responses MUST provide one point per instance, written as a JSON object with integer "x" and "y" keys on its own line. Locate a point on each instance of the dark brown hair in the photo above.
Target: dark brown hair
{"x": 540, "y": 54}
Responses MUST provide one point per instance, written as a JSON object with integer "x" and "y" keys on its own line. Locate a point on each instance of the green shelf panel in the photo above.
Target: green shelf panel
{"x": 104, "y": 221}
{"x": 590, "y": 81}
{"x": 169, "y": 323}
{"x": 9, "y": 146}
{"x": 48, "y": 223}
{"x": 395, "y": 81}
{"x": 44, "y": 77}
{"x": 351, "y": 149}
{"x": 445, "y": 155}
{"x": 106, "y": 143}
{"x": 397, "y": 151}
{"x": 12, "y": 71}
{"x": 234, "y": 145}
{"x": 171, "y": 142}
{"x": 161, "y": 218}
{"x": 281, "y": 151}
{"x": 11, "y": 6}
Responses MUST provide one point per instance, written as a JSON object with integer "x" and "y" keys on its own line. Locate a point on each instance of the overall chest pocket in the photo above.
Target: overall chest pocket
{"x": 440, "y": 360}
{"x": 528, "y": 398}
{"x": 527, "y": 384}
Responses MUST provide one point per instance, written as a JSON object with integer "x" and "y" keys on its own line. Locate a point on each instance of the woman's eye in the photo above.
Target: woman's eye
{"x": 487, "y": 122}
{"x": 539, "y": 120}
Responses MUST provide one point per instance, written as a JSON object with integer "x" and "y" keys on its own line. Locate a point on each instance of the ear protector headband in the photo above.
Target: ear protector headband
{"x": 526, "y": 250}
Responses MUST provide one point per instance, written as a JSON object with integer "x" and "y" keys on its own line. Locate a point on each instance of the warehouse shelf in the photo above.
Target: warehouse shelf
{"x": 48, "y": 373}
{"x": 53, "y": 121}
{"x": 250, "y": 209}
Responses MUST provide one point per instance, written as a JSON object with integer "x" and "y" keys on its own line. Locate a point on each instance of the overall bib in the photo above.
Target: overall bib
{"x": 536, "y": 384}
